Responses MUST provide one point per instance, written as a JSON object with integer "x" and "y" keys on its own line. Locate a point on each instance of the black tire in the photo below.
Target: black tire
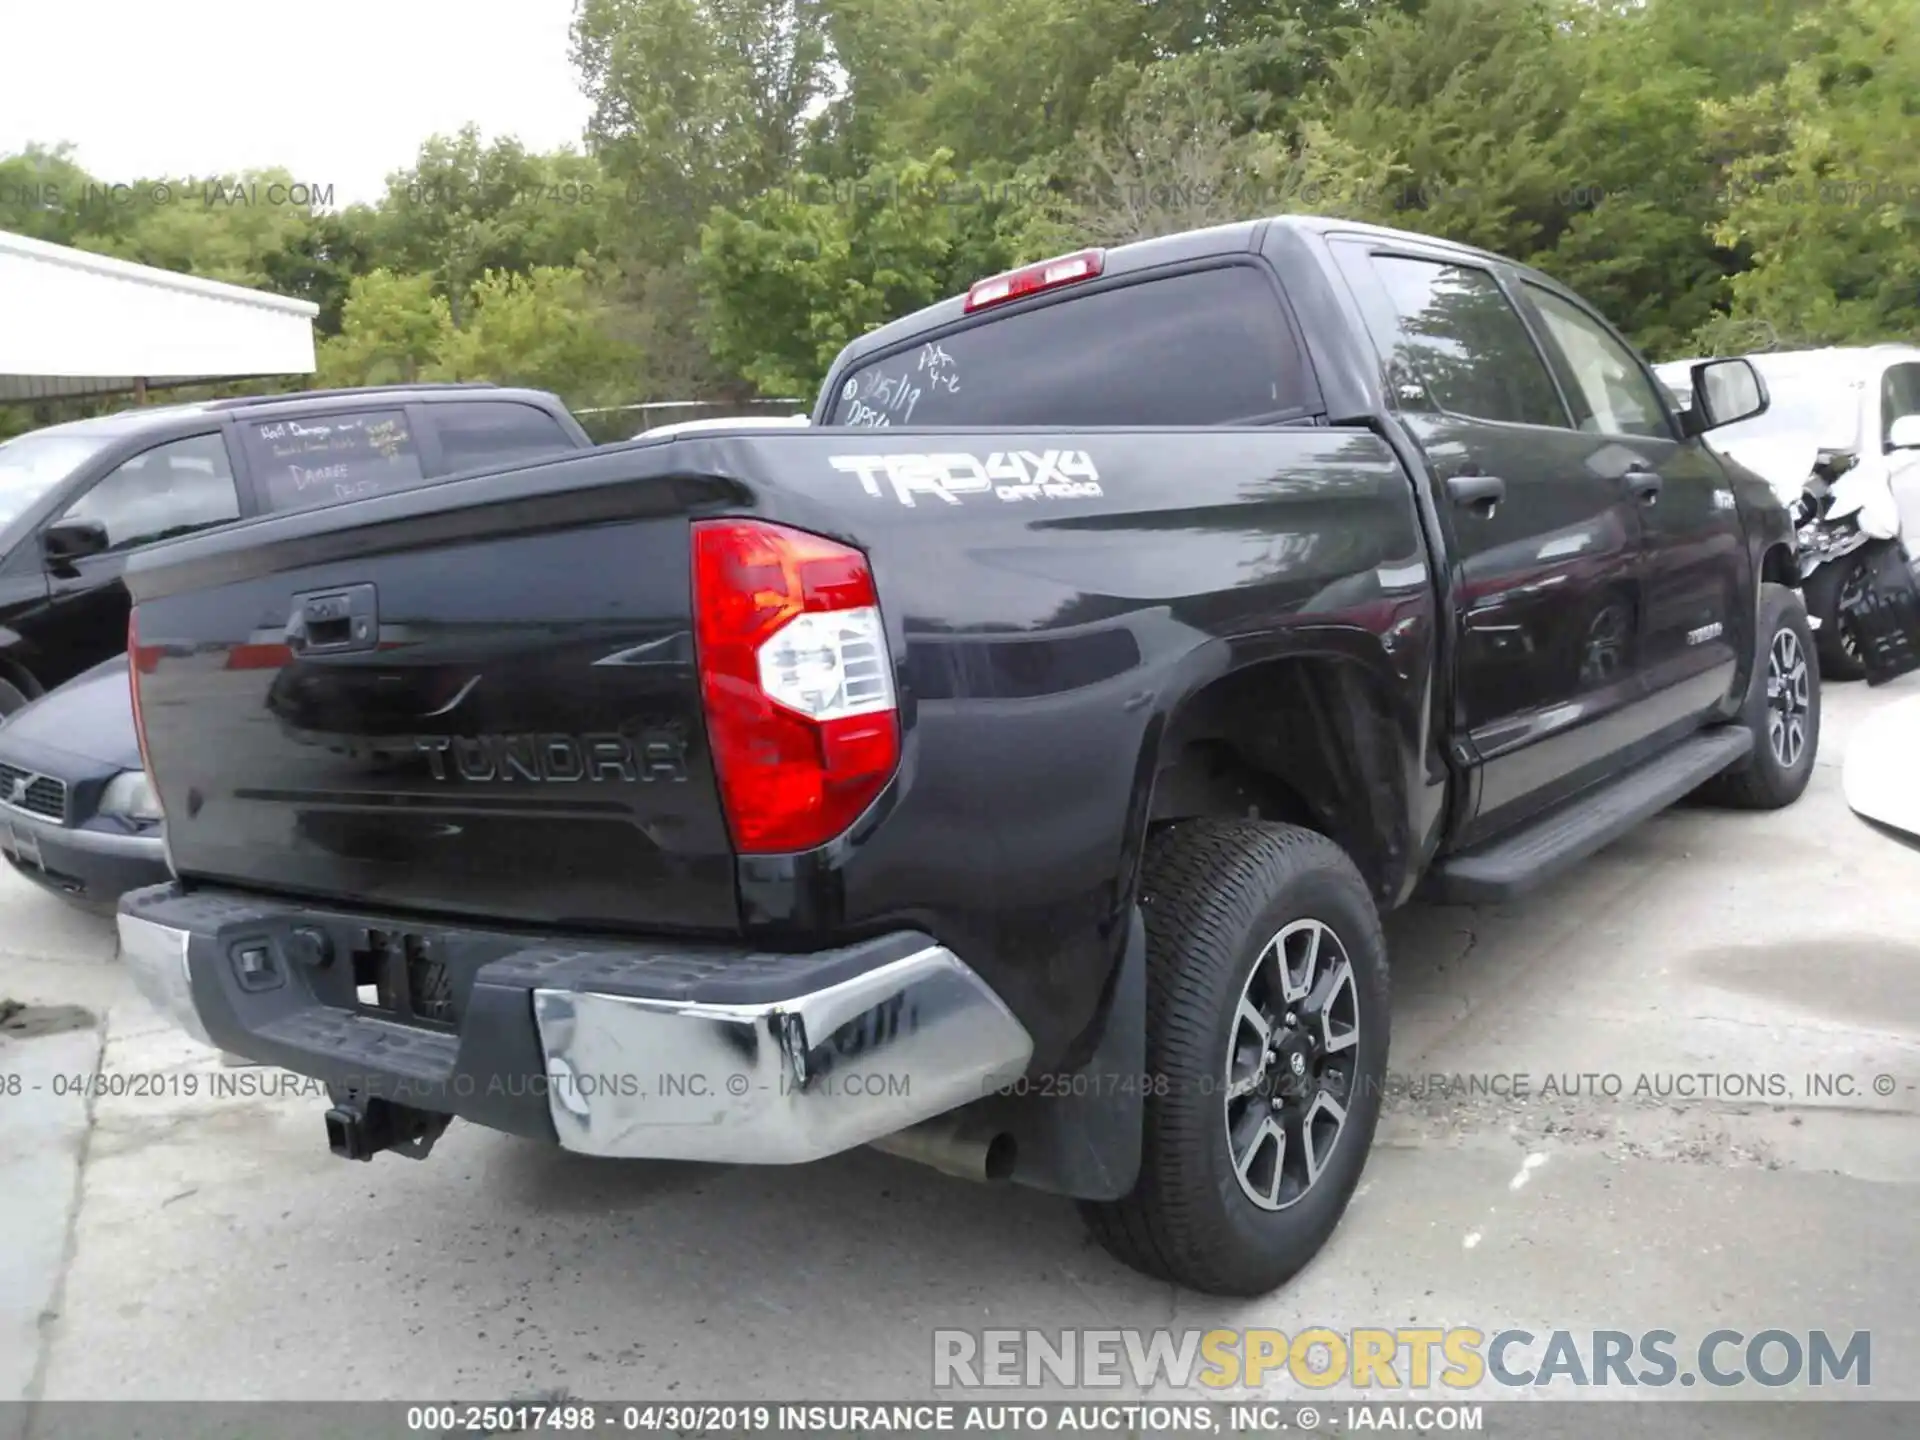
{"x": 12, "y": 698}
{"x": 1839, "y": 654}
{"x": 1215, "y": 896}
{"x": 1785, "y": 684}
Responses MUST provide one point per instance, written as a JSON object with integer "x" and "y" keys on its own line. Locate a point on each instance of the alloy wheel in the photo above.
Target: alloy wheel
{"x": 1292, "y": 1057}
{"x": 1788, "y": 698}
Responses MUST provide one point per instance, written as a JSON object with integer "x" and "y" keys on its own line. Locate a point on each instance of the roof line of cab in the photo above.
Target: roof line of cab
{"x": 137, "y": 418}
{"x": 1234, "y": 238}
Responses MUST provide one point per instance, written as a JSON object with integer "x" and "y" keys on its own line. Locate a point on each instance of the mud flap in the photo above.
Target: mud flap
{"x": 1883, "y": 612}
{"x": 1079, "y": 1133}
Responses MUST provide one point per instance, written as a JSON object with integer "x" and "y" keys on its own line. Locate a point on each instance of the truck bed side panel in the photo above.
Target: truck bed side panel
{"x": 1047, "y": 644}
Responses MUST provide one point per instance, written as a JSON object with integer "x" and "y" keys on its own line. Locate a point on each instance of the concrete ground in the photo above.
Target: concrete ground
{"x": 161, "y": 1245}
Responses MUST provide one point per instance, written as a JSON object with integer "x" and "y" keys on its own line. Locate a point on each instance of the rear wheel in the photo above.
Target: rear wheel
{"x": 1266, "y": 1055}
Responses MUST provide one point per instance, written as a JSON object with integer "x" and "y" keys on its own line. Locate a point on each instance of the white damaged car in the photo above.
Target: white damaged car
{"x": 1840, "y": 441}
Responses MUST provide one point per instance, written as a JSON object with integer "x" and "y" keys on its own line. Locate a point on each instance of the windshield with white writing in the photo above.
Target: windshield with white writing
{"x": 1206, "y": 348}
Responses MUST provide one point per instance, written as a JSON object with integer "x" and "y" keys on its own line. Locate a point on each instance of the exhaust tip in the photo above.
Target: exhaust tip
{"x": 1001, "y": 1154}
{"x": 949, "y": 1145}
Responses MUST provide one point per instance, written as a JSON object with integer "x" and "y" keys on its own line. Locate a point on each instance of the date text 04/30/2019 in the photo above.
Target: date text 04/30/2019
{"x": 839, "y": 1418}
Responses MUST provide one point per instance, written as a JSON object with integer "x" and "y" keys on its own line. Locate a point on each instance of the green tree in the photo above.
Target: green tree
{"x": 542, "y": 329}
{"x": 319, "y": 262}
{"x": 465, "y": 207}
{"x": 1449, "y": 120}
{"x": 42, "y": 190}
{"x": 1177, "y": 147}
{"x": 696, "y": 102}
{"x": 232, "y": 227}
{"x": 257, "y": 228}
{"x": 1831, "y": 214}
{"x": 393, "y": 328}
{"x": 996, "y": 83}
{"x": 793, "y": 275}
{"x": 1639, "y": 191}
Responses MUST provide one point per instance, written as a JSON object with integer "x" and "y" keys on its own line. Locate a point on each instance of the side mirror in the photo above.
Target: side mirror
{"x": 71, "y": 540}
{"x": 1725, "y": 391}
{"x": 1904, "y": 433}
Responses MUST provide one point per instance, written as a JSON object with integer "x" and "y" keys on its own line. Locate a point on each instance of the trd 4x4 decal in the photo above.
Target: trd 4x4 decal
{"x": 1005, "y": 474}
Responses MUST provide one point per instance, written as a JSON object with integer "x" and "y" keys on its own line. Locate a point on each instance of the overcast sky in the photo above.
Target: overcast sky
{"x": 339, "y": 93}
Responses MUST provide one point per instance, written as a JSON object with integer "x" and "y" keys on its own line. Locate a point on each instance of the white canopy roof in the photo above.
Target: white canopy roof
{"x": 76, "y": 323}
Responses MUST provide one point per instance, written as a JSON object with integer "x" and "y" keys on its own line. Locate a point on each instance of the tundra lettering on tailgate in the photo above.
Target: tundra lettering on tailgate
{"x": 1006, "y": 474}
{"x": 553, "y": 758}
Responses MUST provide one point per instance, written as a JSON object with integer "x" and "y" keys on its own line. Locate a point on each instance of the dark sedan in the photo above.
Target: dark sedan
{"x": 76, "y": 813}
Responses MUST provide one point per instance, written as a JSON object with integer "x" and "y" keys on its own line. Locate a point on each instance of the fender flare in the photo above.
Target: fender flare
{"x": 1376, "y": 782}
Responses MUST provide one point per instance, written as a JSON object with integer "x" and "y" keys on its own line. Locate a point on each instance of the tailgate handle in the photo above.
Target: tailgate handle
{"x": 334, "y": 622}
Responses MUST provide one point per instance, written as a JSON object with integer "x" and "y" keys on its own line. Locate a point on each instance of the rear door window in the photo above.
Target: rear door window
{"x": 1210, "y": 347}
{"x": 1458, "y": 345}
{"x": 326, "y": 459}
{"x": 478, "y": 434}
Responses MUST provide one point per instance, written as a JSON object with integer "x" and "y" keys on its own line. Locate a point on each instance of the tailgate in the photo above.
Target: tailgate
{"x": 456, "y": 711}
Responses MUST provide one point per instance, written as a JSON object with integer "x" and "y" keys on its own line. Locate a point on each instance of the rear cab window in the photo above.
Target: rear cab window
{"x": 482, "y": 434}
{"x": 325, "y": 459}
{"x": 1204, "y": 347}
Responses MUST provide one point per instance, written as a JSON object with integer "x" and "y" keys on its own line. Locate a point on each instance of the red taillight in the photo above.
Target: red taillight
{"x": 796, "y": 680}
{"x": 1032, "y": 279}
{"x": 139, "y": 662}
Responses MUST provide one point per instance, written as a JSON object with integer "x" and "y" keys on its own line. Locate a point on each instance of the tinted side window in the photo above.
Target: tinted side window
{"x": 1458, "y": 338}
{"x": 476, "y": 434}
{"x": 325, "y": 459}
{"x": 172, "y": 489}
{"x": 1619, "y": 399}
{"x": 1207, "y": 348}
{"x": 1899, "y": 395}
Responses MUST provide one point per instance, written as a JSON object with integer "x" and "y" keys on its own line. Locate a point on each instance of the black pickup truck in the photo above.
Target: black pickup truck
{"x": 1008, "y": 769}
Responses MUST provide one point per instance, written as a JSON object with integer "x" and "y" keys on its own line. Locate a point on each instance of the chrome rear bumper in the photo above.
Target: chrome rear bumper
{"x": 156, "y": 957}
{"x": 731, "y": 1062}
{"x": 779, "y": 1082}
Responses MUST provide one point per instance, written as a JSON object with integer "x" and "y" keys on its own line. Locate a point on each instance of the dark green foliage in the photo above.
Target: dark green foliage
{"x": 764, "y": 179}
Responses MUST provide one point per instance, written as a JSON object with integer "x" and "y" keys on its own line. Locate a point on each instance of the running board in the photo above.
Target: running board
{"x": 1516, "y": 863}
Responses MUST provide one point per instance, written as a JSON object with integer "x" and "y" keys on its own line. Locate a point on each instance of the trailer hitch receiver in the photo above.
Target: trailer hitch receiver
{"x": 360, "y": 1128}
